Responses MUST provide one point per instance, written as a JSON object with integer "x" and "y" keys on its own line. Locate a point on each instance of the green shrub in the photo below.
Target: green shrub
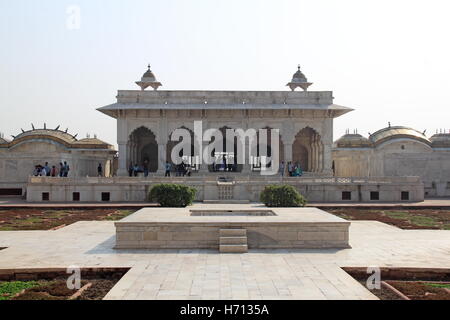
{"x": 172, "y": 195}
{"x": 282, "y": 196}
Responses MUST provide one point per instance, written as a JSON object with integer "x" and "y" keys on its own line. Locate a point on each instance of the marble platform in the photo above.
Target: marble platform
{"x": 198, "y": 227}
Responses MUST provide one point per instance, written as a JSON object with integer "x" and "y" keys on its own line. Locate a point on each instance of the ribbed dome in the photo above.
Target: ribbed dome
{"x": 299, "y": 81}
{"x": 148, "y": 75}
{"x": 148, "y": 80}
{"x": 396, "y": 133}
{"x": 67, "y": 137}
{"x": 440, "y": 140}
{"x": 299, "y": 77}
{"x": 93, "y": 142}
{"x": 353, "y": 141}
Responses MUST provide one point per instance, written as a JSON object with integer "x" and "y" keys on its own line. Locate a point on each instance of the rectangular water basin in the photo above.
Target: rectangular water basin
{"x": 244, "y": 213}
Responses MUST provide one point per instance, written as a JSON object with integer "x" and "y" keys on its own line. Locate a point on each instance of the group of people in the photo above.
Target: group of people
{"x": 134, "y": 170}
{"x": 293, "y": 169}
{"x": 181, "y": 170}
{"x": 224, "y": 166}
{"x": 46, "y": 171}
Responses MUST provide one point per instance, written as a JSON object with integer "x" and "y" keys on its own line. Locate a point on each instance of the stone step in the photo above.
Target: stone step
{"x": 233, "y": 240}
{"x": 233, "y": 232}
{"x": 233, "y": 248}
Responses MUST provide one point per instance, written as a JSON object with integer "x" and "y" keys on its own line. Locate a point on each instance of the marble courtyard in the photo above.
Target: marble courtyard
{"x": 227, "y": 245}
{"x": 207, "y": 274}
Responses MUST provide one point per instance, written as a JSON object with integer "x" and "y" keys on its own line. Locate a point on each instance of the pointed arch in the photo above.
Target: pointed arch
{"x": 171, "y": 144}
{"x": 143, "y": 149}
{"x": 307, "y": 150}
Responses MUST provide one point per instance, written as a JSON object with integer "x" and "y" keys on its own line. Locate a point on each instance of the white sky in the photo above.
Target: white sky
{"x": 389, "y": 60}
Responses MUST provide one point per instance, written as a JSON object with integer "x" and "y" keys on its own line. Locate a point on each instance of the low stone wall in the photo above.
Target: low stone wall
{"x": 200, "y": 226}
{"x": 206, "y": 235}
{"x": 246, "y": 187}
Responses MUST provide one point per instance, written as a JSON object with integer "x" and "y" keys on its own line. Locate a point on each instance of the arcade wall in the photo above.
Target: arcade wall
{"x": 18, "y": 164}
{"x": 398, "y": 158}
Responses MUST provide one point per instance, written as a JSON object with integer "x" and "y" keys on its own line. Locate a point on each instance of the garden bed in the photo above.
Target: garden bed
{"x": 39, "y": 219}
{"x": 402, "y": 218}
{"x": 408, "y": 283}
{"x": 52, "y": 285}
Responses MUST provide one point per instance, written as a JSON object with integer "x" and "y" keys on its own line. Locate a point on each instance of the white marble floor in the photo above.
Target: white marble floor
{"x": 207, "y": 274}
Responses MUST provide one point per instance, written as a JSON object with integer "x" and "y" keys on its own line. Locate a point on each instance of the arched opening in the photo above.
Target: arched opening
{"x": 226, "y": 160}
{"x": 190, "y": 160}
{"x": 307, "y": 150}
{"x": 143, "y": 150}
{"x": 268, "y": 149}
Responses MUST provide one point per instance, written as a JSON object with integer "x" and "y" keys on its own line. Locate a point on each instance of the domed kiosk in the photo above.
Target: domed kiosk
{"x": 148, "y": 80}
{"x": 299, "y": 80}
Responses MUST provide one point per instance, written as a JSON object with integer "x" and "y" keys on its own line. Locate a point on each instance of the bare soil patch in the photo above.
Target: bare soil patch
{"x": 422, "y": 290}
{"x": 414, "y": 283}
{"x": 39, "y": 219}
{"x": 96, "y": 286}
{"x": 402, "y": 218}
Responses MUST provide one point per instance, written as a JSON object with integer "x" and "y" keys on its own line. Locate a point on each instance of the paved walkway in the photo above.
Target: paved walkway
{"x": 207, "y": 274}
{"x": 20, "y": 203}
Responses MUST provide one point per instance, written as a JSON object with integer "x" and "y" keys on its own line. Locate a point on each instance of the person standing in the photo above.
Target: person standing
{"x": 43, "y": 172}
{"x": 224, "y": 163}
{"x": 66, "y": 169}
{"x": 53, "y": 171}
{"x": 183, "y": 169}
{"x": 61, "y": 170}
{"x": 100, "y": 170}
{"x": 130, "y": 170}
{"x": 36, "y": 171}
{"x": 282, "y": 167}
{"x": 168, "y": 169}
{"x": 47, "y": 169}
{"x": 145, "y": 168}
{"x": 290, "y": 168}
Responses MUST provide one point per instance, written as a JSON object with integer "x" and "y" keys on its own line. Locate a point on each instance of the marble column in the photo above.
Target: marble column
{"x": 288, "y": 151}
{"x": 203, "y": 165}
{"x": 312, "y": 164}
{"x": 162, "y": 154}
{"x": 122, "y": 170}
{"x": 246, "y": 166}
{"x": 327, "y": 138}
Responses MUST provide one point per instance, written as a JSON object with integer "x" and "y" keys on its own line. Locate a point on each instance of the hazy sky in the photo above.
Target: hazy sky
{"x": 389, "y": 60}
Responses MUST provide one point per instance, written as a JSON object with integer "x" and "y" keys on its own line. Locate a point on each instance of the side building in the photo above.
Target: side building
{"x": 19, "y": 157}
{"x": 396, "y": 152}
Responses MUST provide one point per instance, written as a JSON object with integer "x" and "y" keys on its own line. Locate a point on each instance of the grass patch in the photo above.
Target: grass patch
{"x": 119, "y": 215}
{"x": 36, "y": 219}
{"x": 9, "y": 289}
{"x": 439, "y": 285}
{"x": 405, "y": 219}
{"x": 418, "y": 220}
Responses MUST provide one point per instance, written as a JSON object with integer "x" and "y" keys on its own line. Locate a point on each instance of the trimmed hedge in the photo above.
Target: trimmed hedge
{"x": 172, "y": 195}
{"x": 282, "y": 196}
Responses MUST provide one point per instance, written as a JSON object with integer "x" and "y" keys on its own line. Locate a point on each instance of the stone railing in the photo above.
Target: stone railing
{"x": 213, "y": 179}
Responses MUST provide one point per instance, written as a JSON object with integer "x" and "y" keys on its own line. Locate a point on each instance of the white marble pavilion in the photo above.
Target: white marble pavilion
{"x": 146, "y": 120}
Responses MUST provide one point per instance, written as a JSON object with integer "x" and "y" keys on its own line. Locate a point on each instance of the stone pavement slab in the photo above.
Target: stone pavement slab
{"x": 206, "y": 274}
